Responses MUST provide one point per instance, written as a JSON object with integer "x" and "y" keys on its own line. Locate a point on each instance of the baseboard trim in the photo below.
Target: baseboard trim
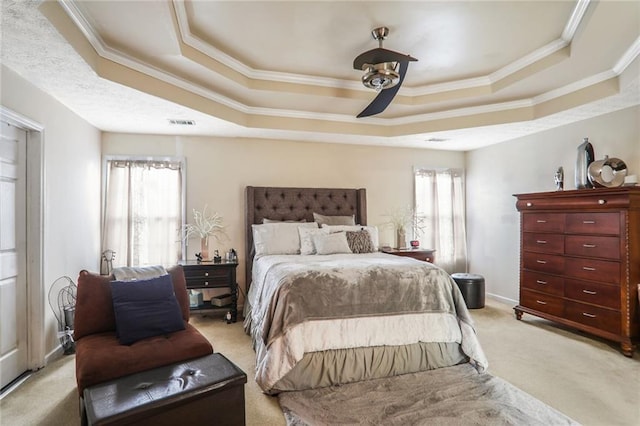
{"x": 55, "y": 354}
{"x": 502, "y": 299}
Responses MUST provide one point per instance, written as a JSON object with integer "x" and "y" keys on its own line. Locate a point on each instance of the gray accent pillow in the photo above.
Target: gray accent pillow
{"x": 360, "y": 241}
{"x": 334, "y": 220}
{"x": 265, "y": 220}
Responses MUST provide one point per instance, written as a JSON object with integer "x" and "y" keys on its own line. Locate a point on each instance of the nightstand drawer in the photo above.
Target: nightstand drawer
{"x": 541, "y": 302}
{"x": 607, "y": 296}
{"x": 544, "y": 243}
{"x": 592, "y": 246}
{"x": 593, "y": 223}
{"x": 206, "y": 273}
{"x": 600, "y": 318}
{"x": 595, "y": 270}
{"x": 549, "y": 263}
{"x": 544, "y": 283}
{"x": 543, "y": 222}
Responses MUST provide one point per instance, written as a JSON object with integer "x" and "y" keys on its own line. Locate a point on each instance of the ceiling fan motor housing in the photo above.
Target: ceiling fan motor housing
{"x": 381, "y": 76}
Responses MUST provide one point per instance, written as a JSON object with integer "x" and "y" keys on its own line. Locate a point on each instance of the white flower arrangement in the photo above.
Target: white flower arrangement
{"x": 205, "y": 225}
{"x": 402, "y": 218}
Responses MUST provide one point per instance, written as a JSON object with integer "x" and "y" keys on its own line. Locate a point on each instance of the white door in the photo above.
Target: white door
{"x": 13, "y": 286}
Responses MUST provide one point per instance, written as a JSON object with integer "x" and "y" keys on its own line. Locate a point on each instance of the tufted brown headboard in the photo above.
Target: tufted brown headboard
{"x": 298, "y": 204}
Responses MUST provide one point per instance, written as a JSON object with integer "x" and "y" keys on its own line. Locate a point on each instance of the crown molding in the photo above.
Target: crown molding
{"x": 628, "y": 57}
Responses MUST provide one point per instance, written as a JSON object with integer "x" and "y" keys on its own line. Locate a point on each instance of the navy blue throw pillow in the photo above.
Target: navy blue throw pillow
{"x": 145, "y": 308}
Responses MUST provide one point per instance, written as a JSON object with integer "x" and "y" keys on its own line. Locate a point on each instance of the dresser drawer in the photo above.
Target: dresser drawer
{"x": 607, "y": 296}
{"x": 593, "y": 223}
{"x": 600, "y": 318}
{"x": 543, "y": 222}
{"x": 544, "y": 283}
{"x": 543, "y": 243}
{"x": 549, "y": 263}
{"x": 592, "y": 246}
{"x": 552, "y": 305}
{"x": 595, "y": 270}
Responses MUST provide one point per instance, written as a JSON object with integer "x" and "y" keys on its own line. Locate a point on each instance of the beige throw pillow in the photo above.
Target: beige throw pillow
{"x": 331, "y": 243}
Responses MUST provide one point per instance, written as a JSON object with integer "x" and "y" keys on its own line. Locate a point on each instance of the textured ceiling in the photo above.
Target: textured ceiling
{"x": 487, "y": 71}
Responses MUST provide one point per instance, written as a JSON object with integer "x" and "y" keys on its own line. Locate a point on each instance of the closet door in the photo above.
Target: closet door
{"x": 13, "y": 287}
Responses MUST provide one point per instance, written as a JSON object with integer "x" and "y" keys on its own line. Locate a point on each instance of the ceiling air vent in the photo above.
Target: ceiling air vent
{"x": 182, "y": 122}
{"x": 436, "y": 140}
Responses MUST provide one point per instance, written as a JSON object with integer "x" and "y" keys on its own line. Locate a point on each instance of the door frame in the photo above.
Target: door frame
{"x": 36, "y": 352}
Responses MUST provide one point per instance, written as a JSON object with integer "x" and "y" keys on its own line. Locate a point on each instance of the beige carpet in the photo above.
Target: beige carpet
{"x": 585, "y": 378}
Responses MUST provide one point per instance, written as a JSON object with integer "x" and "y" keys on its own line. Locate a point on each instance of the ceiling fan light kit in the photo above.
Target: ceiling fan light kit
{"x": 381, "y": 76}
{"x": 384, "y": 72}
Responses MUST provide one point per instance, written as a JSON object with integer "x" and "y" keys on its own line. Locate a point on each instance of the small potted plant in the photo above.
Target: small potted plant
{"x": 205, "y": 225}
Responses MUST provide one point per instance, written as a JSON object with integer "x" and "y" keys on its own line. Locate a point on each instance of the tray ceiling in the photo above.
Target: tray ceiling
{"x": 487, "y": 71}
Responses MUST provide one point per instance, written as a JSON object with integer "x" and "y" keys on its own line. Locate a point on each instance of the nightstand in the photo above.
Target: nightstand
{"x": 426, "y": 255}
{"x": 206, "y": 275}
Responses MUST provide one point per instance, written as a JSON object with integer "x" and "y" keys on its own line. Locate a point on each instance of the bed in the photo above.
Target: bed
{"x": 328, "y": 317}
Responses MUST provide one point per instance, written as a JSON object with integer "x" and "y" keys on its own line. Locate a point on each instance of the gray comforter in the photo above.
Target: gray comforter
{"x": 302, "y": 304}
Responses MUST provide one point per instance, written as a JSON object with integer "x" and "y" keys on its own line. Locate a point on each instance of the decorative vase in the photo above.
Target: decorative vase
{"x": 585, "y": 157}
{"x": 401, "y": 238}
{"x": 204, "y": 248}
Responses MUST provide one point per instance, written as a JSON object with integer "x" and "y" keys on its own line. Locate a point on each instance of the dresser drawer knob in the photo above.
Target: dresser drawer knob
{"x": 541, "y": 221}
{"x": 587, "y": 314}
{"x": 589, "y": 222}
{"x": 541, "y": 302}
{"x": 541, "y": 241}
{"x": 529, "y": 204}
{"x": 206, "y": 274}
{"x": 589, "y": 245}
{"x": 541, "y": 261}
{"x": 588, "y": 268}
{"x": 206, "y": 283}
{"x": 541, "y": 282}
{"x": 589, "y": 292}
{"x": 602, "y": 201}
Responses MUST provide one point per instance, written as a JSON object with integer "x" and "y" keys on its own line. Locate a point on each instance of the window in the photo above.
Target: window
{"x": 439, "y": 201}
{"x": 143, "y": 211}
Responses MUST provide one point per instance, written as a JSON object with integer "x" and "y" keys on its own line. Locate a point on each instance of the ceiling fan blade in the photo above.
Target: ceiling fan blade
{"x": 384, "y": 98}
{"x": 378, "y": 56}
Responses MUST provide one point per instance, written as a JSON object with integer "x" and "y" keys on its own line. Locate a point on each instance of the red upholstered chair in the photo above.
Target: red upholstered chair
{"x": 99, "y": 355}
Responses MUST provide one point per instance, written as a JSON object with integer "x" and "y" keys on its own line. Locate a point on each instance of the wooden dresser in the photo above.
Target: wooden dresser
{"x": 580, "y": 260}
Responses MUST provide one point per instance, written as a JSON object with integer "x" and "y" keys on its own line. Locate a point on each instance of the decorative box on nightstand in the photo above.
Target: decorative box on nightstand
{"x": 209, "y": 275}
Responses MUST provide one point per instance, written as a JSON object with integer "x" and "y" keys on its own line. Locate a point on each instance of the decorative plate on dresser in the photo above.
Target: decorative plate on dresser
{"x": 580, "y": 260}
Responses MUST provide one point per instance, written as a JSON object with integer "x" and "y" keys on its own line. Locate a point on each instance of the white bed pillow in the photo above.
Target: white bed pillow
{"x": 278, "y": 238}
{"x": 307, "y": 246}
{"x": 331, "y": 243}
{"x": 373, "y": 231}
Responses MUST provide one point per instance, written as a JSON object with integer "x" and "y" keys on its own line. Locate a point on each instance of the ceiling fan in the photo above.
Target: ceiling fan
{"x": 384, "y": 71}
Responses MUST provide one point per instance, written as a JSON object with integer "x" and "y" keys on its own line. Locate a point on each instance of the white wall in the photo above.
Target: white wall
{"x": 71, "y": 185}
{"x": 218, "y": 170}
{"x": 526, "y": 165}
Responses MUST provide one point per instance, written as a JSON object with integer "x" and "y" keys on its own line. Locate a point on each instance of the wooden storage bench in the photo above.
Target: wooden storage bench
{"x": 207, "y": 390}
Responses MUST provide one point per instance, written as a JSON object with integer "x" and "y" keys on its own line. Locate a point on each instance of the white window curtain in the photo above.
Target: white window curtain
{"x": 143, "y": 212}
{"x": 439, "y": 201}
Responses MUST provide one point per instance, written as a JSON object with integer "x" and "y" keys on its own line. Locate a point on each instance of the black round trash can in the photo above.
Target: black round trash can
{"x": 472, "y": 288}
